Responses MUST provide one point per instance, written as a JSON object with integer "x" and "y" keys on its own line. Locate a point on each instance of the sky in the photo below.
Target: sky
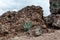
{"x": 11, "y": 5}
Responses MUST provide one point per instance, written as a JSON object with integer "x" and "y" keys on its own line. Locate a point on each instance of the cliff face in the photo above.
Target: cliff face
{"x": 30, "y": 17}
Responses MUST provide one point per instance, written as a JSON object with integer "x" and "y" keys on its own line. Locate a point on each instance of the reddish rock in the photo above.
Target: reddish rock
{"x": 12, "y": 22}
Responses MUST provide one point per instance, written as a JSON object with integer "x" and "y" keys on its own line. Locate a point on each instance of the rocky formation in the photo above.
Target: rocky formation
{"x": 54, "y": 6}
{"x": 28, "y": 18}
{"x": 53, "y": 20}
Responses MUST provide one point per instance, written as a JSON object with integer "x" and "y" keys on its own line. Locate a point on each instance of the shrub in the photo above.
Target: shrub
{"x": 27, "y": 25}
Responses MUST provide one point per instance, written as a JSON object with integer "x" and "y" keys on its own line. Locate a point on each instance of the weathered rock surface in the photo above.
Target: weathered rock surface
{"x": 53, "y": 20}
{"x": 12, "y": 22}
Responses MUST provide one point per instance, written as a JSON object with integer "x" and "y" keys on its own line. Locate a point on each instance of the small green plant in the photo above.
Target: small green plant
{"x": 27, "y": 25}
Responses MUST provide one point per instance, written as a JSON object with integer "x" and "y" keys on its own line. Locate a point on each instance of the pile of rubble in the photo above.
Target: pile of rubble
{"x": 29, "y": 19}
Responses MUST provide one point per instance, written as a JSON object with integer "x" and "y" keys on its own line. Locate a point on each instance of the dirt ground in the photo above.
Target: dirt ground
{"x": 47, "y": 36}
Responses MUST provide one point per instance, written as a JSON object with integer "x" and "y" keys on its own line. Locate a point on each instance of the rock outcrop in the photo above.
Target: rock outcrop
{"x": 53, "y": 20}
{"x": 28, "y": 18}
